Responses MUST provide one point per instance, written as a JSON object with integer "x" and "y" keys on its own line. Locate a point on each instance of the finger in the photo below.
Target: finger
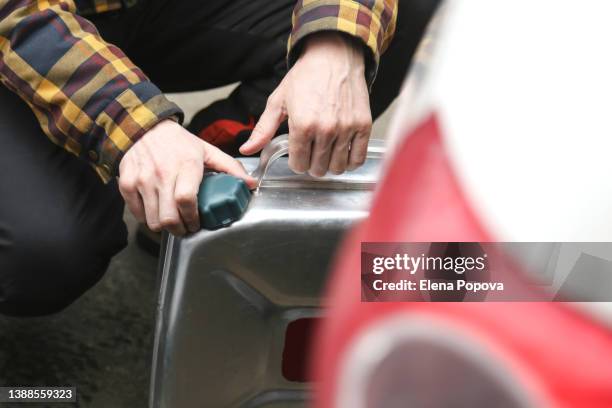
{"x": 265, "y": 129}
{"x": 321, "y": 155}
{"x": 131, "y": 196}
{"x": 169, "y": 217}
{"x": 359, "y": 151}
{"x": 222, "y": 162}
{"x": 151, "y": 206}
{"x": 136, "y": 207}
{"x": 340, "y": 157}
{"x": 300, "y": 148}
{"x": 186, "y": 194}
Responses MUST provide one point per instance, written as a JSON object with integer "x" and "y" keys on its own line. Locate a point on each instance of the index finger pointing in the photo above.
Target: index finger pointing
{"x": 222, "y": 162}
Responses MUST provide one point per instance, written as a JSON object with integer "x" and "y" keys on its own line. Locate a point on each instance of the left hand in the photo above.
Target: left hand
{"x": 326, "y": 99}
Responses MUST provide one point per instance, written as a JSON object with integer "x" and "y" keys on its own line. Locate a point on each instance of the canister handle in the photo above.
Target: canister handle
{"x": 279, "y": 147}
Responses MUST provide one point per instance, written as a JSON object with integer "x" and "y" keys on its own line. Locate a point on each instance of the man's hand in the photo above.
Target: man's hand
{"x": 325, "y": 97}
{"x": 161, "y": 174}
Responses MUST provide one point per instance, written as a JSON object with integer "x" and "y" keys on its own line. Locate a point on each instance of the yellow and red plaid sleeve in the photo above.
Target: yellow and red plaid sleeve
{"x": 370, "y": 21}
{"x": 87, "y": 95}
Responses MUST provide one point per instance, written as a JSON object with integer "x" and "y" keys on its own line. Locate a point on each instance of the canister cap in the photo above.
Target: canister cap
{"x": 222, "y": 200}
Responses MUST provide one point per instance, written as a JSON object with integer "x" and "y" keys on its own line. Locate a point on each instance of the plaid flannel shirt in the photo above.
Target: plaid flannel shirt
{"x": 93, "y": 101}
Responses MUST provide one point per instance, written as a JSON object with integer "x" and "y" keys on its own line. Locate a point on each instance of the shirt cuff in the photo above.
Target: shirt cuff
{"x": 125, "y": 119}
{"x": 374, "y": 29}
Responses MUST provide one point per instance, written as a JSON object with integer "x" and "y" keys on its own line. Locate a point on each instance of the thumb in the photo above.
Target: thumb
{"x": 266, "y": 128}
{"x": 224, "y": 163}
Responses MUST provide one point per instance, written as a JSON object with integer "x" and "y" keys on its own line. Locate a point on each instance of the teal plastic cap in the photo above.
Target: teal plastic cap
{"x": 222, "y": 200}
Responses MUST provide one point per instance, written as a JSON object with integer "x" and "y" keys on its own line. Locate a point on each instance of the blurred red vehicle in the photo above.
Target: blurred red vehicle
{"x": 500, "y": 138}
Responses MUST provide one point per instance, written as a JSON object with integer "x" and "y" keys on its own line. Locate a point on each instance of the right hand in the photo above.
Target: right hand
{"x": 161, "y": 174}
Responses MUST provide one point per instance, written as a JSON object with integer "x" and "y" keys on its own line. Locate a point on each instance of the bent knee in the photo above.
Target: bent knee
{"x": 44, "y": 274}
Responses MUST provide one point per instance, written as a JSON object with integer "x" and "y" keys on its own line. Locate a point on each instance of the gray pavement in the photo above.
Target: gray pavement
{"x": 101, "y": 344}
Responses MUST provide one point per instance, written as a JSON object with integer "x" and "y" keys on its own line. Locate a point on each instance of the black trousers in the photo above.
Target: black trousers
{"x": 59, "y": 225}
